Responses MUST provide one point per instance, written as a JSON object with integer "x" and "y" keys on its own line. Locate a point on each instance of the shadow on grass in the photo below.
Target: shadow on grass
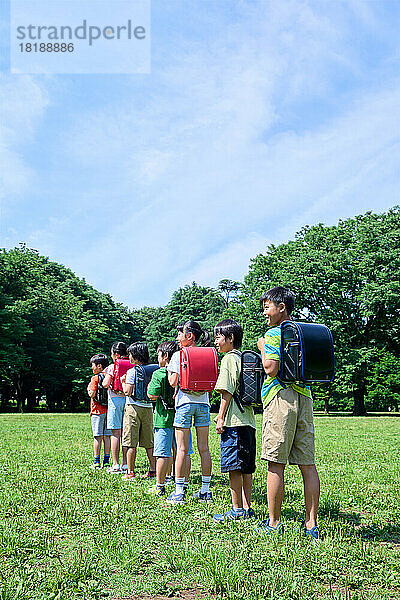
{"x": 331, "y": 510}
{"x": 389, "y": 533}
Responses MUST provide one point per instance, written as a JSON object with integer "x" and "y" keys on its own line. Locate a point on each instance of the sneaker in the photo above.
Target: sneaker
{"x": 148, "y": 475}
{"x": 266, "y": 528}
{"x": 176, "y": 498}
{"x": 124, "y": 468}
{"x": 95, "y": 465}
{"x": 156, "y": 491}
{"x": 106, "y": 464}
{"x": 114, "y": 470}
{"x": 203, "y": 497}
{"x": 313, "y": 533}
{"x": 128, "y": 476}
{"x": 250, "y": 514}
{"x": 231, "y": 515}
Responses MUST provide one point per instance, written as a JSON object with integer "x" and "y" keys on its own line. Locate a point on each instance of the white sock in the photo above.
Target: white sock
{"x": 179, "y": 483}
{"x": 205, "y": 484}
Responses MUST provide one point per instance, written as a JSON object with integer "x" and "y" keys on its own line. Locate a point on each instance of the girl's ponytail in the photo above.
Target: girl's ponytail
{"x": 206, "y": 339}
{"x": 194, "y": 327}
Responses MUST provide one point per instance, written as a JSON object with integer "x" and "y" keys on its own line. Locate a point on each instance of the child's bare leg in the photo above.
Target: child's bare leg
{"x": 311, "y": 493}
{"x": 204, "y": 451}
{"x": 275, "y": 491}
{"x": 107, "y": 444}
{"x": 124, "y": 455}
{"x": 236, "y": 485}
{"x": 246, "y": 491}
{"x": 151, "y": 458}
{"x": 188, "y": 466}
{"x": 170, "y": 466}
{"x": 115, "y": 445}
{"x": 173, "y": 459}
{"x": 162, "y": 466}
{"x": 97, "y": 444}
{"x": 131, "y": 459}
{"x": 182, "y": 448}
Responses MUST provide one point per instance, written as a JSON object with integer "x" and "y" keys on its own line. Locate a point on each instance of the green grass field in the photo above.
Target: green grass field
{"x": 68, "y": 532}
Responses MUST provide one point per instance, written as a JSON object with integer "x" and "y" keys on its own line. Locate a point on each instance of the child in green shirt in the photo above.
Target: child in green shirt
{"x": 237, "y": 428}
{"x": 162, "y": 393}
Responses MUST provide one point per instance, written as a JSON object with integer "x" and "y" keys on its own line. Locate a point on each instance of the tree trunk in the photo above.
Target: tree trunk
{"x": 326, "y": 405}
{"x": 50, "y": 400}
{"x": 359, "y": 404}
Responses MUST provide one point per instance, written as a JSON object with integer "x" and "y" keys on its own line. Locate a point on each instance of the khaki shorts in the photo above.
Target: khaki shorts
{"x": 288, "y": 429}
{"x": 138, "y": 427}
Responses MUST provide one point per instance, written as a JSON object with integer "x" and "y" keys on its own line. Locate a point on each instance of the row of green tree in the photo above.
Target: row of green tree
{"x": 346, "y": 276}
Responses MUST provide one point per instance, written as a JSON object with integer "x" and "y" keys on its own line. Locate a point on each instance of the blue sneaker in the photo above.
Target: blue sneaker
{"x": 203, "y": 497}
{"x": 313, "y": 533}
{"x": 231, "y": 515}
{"x": 176, "y": 498}
{"x": 250, "y": 514}
{"x": 266, "y": 528}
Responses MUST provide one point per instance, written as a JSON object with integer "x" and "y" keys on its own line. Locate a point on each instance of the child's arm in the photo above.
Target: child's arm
{"x": 128, "y": 388}
{"x": 226, "y": 398}
{"x": 173, "y": 379}
{"x": 271, "y": 367}
{"x": 153, "y": 398}
{"x": 92, "y": 388}
{"x": 107, "y": 380}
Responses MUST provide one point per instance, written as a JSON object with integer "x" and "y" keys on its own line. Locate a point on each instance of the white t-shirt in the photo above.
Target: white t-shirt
{"x": 185, "y": 397}
{"x": 131, "y": 379}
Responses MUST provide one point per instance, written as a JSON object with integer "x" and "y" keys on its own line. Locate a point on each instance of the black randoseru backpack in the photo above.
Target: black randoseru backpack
{"x": 307, "y": 353}
{"x": 168, "y": 400}
{"x": 101, "y": 392}
{"x": 251, "y": 379}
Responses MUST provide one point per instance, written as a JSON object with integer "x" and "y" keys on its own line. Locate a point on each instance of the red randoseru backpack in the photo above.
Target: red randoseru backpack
{"x": 198, "y": 369}
{"x": 121, "y": 366}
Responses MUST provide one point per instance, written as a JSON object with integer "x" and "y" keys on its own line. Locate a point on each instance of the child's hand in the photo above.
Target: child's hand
{"x": 261, "y": 344}
{"x": 123, "y": 378}
{"x": 220, "y": 425}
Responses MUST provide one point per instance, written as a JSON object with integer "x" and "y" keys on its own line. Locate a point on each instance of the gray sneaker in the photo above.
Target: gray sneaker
{"x": 203, "y": 497}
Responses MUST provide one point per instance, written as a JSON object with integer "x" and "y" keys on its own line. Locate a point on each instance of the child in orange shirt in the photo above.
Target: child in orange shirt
{"x": 98, "y": 411}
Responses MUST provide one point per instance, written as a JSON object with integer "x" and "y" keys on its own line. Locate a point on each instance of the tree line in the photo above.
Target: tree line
{"x": 346, "y": 276}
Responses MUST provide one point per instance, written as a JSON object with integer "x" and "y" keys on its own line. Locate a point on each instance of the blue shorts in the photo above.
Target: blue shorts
{"x": 99, "y": 425}
{"x": 115, "y": 413}
{"x": 164, "y": 439}
{"x": 238, "y": 449}
{"x": 199, "y": 412}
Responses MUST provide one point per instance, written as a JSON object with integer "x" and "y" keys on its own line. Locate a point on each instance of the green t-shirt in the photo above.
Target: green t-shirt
{"x": 228, "y": 380}
{"x": 163, "y": 417}
{"x": 271, "y": 385}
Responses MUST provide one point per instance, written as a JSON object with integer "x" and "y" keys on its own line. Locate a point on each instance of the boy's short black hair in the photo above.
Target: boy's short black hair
{"x": 229, "y": 327}
{"x": 140, "y": 352}
{"x": 180, "y": 327}
{"x": 100, "y": 359}
{"x": 168, "y": 348}
{"x": 278, "y": 295}
{"x": 119, "y": 348}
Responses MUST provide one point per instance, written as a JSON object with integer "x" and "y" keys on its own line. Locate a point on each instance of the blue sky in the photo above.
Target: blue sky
{"x": 257, "y": 118}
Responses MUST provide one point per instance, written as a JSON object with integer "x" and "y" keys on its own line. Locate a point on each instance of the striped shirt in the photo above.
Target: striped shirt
{"x": 271, "y": 385}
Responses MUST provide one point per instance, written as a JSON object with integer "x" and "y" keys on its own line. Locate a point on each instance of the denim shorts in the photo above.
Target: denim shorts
{"x": 199, "y": 412}
{"x": 99, "y": 425}
{"x": 238, "y": 449}
{"x": 164, "y": 440}
{"x": 115, "y": 413}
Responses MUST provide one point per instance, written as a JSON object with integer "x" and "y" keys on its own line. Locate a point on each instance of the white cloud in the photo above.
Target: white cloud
{"x": 22, "y": 103}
